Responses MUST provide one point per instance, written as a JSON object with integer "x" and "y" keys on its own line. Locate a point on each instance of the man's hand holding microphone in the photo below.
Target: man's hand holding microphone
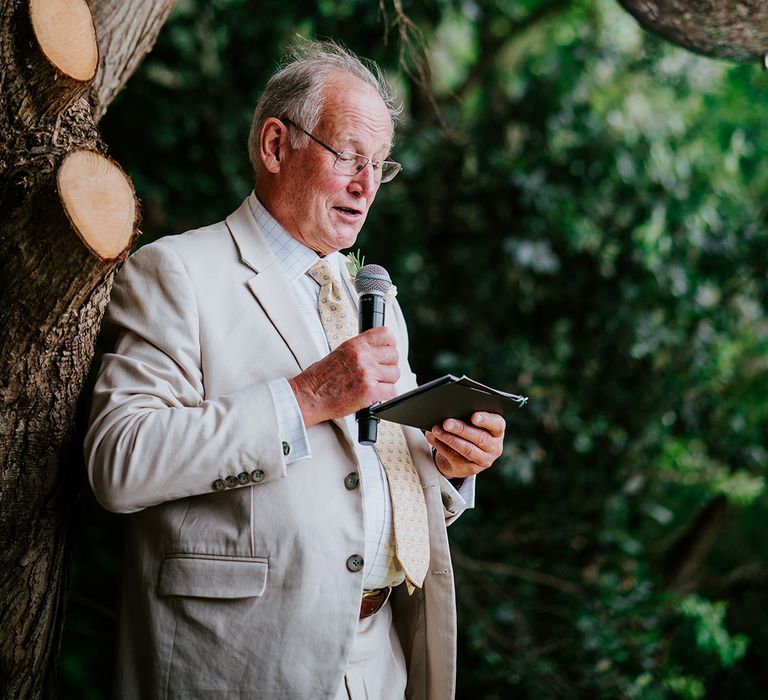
{"x": 364, "y": 369}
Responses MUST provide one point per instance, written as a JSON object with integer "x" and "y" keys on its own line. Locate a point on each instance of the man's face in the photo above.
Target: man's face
{"x": 320, "y": 207}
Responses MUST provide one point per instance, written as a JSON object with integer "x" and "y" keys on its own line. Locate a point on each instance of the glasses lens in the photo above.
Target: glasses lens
{"x": 389, "y": 169}
{"x": 349, "y": 163}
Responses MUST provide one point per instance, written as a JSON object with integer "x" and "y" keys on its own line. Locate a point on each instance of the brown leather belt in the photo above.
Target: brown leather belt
{"x": 373, "y": 601}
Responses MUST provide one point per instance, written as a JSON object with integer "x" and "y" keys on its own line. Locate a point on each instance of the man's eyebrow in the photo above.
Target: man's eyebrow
{"x": 353, "y": 142}
{"x": 356, "y": 146}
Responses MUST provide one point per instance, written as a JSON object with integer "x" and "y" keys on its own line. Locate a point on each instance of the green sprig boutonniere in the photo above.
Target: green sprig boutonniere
{"x": 354, "y": 262}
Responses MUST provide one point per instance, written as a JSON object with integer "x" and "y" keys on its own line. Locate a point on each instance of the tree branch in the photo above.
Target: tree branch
{"x": 685, "y": 555}
{"x": 499, "y": 569}
{"x": 732, "y": 29}
{"x": 125, "y": 33}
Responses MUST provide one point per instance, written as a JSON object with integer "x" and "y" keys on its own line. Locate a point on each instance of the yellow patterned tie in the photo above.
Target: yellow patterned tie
{"x": 409, "y": 511}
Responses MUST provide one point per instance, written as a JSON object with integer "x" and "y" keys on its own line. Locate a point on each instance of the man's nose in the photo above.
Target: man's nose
{"x": 365, "y": 181}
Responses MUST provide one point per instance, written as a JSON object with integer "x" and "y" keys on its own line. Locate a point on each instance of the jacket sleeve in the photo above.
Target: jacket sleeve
{"x": 154, "y": 436}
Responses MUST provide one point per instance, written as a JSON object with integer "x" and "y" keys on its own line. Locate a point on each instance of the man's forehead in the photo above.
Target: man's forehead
{"x": 354, "y": 111}
{"x": 363, "y": 139}
{"x": 357, "y": 135}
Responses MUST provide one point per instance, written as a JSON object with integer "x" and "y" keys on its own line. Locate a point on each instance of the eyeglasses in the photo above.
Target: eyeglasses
{"x": 351, "y": 163}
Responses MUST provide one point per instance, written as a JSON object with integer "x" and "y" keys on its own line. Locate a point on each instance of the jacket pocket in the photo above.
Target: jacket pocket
{"x": 200, "y": 576}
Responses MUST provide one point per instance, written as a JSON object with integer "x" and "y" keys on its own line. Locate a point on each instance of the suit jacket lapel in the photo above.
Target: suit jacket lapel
{"x": 274, "y": 294}
{"x": 270, "y": 287}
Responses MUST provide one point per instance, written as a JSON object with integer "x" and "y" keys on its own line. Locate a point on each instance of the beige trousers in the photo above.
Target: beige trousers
{"x": 376, "y": 669}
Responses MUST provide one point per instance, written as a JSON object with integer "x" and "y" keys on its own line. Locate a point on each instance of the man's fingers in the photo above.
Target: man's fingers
{"x": 468, "y": 433}
{"x": 388, "y": 374}
{"x": 379, "y": 336}
{"x": 386, "y": 355}
{"x": 378, "y": 344}
{"x": 489, "y": 423}
{"x": 468, "y": 450}
{"x": 450, "y": 463}
{"x": 361, "y": 371}
{"x": 492, "y": 422}
{"x": 476, "y": 444}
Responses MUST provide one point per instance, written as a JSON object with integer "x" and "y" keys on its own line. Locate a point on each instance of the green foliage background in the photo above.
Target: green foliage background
{"x": 580, "y": 219}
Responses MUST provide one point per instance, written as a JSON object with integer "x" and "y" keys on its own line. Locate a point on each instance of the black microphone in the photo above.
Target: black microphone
{"x": 372, "y": 283}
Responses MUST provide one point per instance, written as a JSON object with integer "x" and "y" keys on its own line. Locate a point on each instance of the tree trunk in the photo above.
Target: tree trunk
{"x": 732, "y": 29}
{"x": 69, "y": 217}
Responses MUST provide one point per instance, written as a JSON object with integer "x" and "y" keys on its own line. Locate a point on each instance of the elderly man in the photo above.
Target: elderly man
{"x": 263, "y": 541}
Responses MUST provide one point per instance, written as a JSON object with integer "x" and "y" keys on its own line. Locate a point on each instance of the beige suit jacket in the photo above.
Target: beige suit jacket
{"x": 245, "y": 592}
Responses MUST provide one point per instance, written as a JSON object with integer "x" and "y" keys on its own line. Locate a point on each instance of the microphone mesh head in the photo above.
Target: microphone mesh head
{"x": 372, "y": 278}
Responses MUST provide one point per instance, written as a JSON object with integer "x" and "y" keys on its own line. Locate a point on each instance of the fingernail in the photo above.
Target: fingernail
{"x": 478, "y": 418}
{"x": 449, "y": 425}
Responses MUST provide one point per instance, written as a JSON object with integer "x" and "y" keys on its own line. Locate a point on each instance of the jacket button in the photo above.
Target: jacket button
{"x": 219, "y": 485}
{"x": 231, "y": 481}
{"x": 257, "y": 475}
{"x": 355, "y": 563}
{"x": 286, "y": 448}
{"x": 352, "y": 480}
{"x": 243, "y": 478}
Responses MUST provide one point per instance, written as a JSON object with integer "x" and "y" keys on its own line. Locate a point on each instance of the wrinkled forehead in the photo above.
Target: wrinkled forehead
{"x": 354, "y": 114}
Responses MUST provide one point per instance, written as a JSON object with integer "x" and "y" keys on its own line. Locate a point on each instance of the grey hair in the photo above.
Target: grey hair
{"x": 296, "y": 90}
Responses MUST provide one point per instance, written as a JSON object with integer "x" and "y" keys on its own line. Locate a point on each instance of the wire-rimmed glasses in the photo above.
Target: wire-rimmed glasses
{"x": 351, "y": 163}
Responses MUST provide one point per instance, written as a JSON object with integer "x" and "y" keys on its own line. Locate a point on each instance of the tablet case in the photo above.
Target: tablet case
{"x": 447, "y": 397}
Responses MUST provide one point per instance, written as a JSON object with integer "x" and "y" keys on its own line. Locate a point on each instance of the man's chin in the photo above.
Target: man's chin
{"x": 346, "y": 236}
{"x": 334, "y": 243}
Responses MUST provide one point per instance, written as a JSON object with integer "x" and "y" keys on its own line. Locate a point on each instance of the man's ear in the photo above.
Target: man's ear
{"x": 273, "y": 142}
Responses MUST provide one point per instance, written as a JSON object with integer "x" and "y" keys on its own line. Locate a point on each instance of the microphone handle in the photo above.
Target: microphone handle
{"x": 372, "y": 308}
{"x": 371, "y": 311}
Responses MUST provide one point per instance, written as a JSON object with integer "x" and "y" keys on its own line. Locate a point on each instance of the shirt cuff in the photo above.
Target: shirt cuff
{"x": 464, "y": 487}
{"x": 461, "y": 497}
{"x": 290, "y": 424}
{"x": 467, "y": 490}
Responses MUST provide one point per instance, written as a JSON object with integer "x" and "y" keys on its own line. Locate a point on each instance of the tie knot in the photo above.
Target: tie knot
{"x": 336, "y": 313}
{"x": 322, "y": 273}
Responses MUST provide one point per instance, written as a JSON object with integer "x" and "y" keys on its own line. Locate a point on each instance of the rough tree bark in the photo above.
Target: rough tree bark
{"x": 733, "y": 29}
{"x": 68, "y": 219}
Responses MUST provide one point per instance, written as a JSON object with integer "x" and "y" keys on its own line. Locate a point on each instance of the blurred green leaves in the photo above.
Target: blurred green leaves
{"x": 711, "y": 634}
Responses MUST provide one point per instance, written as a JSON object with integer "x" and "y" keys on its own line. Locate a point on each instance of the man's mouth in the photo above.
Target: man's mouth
{"x": 348, "y": 211}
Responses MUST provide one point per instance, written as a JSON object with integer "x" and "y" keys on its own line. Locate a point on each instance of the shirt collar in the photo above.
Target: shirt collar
{"x": 293, "y": 257}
